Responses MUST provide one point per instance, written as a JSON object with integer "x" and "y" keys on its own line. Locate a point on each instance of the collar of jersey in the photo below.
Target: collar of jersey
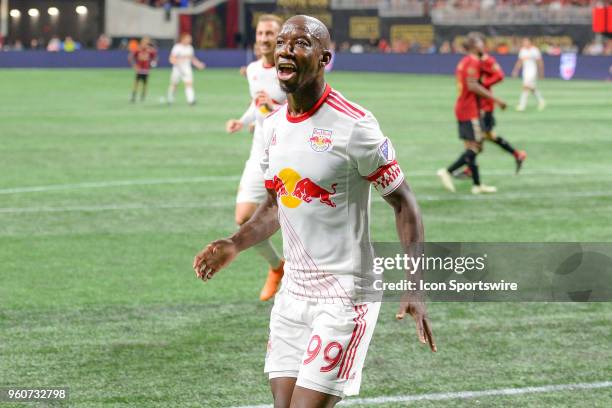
{"x": 312, "y": 111}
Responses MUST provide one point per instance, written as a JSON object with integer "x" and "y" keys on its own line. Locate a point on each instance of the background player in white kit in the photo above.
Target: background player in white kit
{"x": 530, "y": 59}
{"x": 322, "y": 154}
{"x": 181, "y": 58}
{"x": 266, "y": 95}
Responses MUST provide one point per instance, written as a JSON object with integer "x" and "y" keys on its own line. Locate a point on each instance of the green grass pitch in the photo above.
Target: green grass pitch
{"x": 103, "y": 205}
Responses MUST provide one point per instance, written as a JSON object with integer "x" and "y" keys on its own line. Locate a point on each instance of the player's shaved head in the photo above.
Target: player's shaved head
{"x": 474, "y": 42}
{"x": 302, "y": 52}
{"x": 312, "y": 26}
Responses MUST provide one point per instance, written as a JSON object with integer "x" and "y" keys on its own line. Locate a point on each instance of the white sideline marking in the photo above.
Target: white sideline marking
{"x": 230, "y": 204}
{"x": 462, "y": 394}
{"x": 204, "y": 179}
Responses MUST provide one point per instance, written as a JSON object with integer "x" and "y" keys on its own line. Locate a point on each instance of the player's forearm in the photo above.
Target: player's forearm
{"x": 492, "y": 79}
{"x": 474, "y": 86}
{"x": 262, "y": 225}
{"x": 409, "y": 225}
{"x": 248, "y": 116}
{"x": 408, "y": 219}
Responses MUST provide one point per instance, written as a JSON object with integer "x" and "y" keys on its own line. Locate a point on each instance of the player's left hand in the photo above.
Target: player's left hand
{"x": 200, "y": 65}
{"x": 415, "y": 307}
{"x": 214, "y": 257}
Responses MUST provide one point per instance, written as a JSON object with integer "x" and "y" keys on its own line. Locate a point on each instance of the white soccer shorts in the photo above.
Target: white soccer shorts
{"x": 181, "y": 74}
{"x": 251, "y": 188}
{"x": 323, "y": 345}
{"x": 529, "y": 79}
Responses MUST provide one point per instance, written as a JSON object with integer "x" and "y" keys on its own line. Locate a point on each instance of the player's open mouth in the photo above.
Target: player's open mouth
{"x": 286, "y": 71}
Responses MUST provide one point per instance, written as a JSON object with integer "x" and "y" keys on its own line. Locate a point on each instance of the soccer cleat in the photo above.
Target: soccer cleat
{"x": 541, "y": 105}
{"x": 483, "y": 189}
{"x": 446, "y": 179}
{"x": 272, "y": 282}
{"x": 519, "y": 156}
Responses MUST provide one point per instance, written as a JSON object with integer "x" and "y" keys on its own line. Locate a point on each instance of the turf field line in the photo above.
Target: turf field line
{"x": 205, "y": 179}
{"x": 441, "y": 396}
{"x": 231, "y": 203}
{"x": 117, "y": 183}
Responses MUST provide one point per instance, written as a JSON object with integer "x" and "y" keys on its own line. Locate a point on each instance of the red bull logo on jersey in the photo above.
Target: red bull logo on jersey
{"x": 293, "y": 190}
{"x": 320, "y": 140}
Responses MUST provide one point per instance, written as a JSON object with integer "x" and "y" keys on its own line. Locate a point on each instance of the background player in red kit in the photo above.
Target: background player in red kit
{"x": 467, "y": 112}
{"x": 491, "y": 75}
{"x": 142, "y": 60}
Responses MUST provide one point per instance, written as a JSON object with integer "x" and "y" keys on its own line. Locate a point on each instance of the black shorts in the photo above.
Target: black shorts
{"x": 142, "y": 77}
{"x": 470, "y": 130}
{"x": 488, "y": 121}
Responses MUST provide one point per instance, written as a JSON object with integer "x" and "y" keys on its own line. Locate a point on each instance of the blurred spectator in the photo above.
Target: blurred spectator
{"x": 429, "y": 48}
{"x": 103, "y": 42}
{"x": 17, "y": 45}
{"x": 383, "y": 46}
{"x": 445, "y": 48}
{"x": 54, "y": 45}
{"x": 69, "y": 44}
{"x": 357, "y": 49}
{"x": 133, "y": 45}
{"x": 35, "y": 44}
{"x": 502, "y": 48}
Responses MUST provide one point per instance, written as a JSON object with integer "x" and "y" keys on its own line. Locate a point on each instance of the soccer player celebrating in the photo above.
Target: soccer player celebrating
{"x": 266, "y": 95}
{"x": 182, "y": 57}
{"x": 468, "y": 115}
{"x": 530, "y": 59}
{"x": 142, "y": 60}
{"x": 322, "y": 154}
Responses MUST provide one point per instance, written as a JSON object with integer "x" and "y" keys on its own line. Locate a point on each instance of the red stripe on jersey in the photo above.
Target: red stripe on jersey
{"x": 381, "y": 170}
{"x": 313, "y": 110}
{"x": 339, "y": 109}
{"x": 269, "y": 184}
{"x": 347, "y": 103}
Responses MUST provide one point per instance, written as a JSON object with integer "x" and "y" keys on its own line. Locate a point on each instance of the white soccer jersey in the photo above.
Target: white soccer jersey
{"x": 530, "y": 57}
{"x": 322, "y": 164}
{"x": 183, "y": 54}
{"x": 262, "y": 77}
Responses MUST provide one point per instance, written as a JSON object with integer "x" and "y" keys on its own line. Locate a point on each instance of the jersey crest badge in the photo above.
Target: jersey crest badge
{"x": 320, "y": 140}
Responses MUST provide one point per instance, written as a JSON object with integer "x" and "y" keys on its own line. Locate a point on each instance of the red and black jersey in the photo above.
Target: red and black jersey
{"x": 466, "y": 107}
{"x": 491, "y": 74}
{"x": 142, "y": 58}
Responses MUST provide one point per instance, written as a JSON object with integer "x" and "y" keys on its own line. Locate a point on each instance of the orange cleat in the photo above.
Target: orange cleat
{"x": 272, "y": 282}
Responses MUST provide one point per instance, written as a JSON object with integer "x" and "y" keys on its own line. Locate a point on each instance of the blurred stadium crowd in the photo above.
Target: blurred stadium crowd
{"x": 423, "y": 26}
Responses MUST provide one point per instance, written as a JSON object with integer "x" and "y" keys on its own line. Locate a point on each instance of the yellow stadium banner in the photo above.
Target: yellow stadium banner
{"x": 423, "y": 33}
{"x": 364, "y": 28}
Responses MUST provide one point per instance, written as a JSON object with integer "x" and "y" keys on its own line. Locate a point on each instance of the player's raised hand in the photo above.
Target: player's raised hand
{"x": 214, "y": 257}
{"x": 233, "y": 125}
{"x": 416, "y": 308}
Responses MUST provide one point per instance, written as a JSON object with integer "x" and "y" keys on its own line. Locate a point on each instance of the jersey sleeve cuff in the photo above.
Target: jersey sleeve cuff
{"x": 386, "y": 179}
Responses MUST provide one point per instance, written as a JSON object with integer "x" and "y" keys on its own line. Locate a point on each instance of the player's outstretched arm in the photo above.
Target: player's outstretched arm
{"x": 540, "y": 67}
{"x": 410, "y": 230}
{"x": 197, "y": 63}
{"x": 219, "y": 254}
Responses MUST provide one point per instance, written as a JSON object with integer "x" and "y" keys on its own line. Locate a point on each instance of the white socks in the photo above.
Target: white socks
{"x": 171, "y": 95}
{"x": 538, "y": 96}
{"x": 267, "y": 251}
{"x": 190, "y": 94}
{"x": 523, "y": 100}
